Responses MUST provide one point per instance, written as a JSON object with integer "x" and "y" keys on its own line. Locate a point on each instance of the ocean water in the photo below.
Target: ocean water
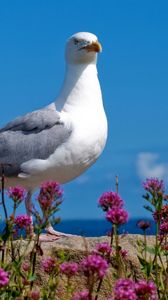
{"x": 96, "y": 228}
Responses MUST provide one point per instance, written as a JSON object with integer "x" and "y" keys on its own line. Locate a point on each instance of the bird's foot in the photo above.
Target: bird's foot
{"x": 50, "y": 231}
{"x": 48, "y": 237}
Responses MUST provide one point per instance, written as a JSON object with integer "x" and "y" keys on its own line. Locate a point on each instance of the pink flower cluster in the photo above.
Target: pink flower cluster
{"x": 23, "y": 221}
{"x": 82, "y": 295}
{"x": 35, "y": 295}
{"x": 25, "y": 266}
{"x": 4, "y": 278}
{"x": 49, "y": 191}
{"x": 123, "y": 253}
{"x": 161, "y": 215}
{"x": 146, "y": 290}
{"x": 112, "y": 203}
{"x": 154, "y": 185}
{"x": 117, "y": 216}
{"x": 164, "y": 228}
{"x": 109, "y": 200}
{"x": 94, "y": 264}
{"x": 17, "y": 193}
{"x": 48, "y": 264}
{"x": 124, "y": 289}
{"x": 103, "y": 249}
{"x": 69, "y": 268}
{"x": 127, "y": 289}
{"x": 144, "y": 225}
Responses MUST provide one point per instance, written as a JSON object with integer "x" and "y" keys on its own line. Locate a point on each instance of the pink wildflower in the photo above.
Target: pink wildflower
{"x": 17, "y": 193}
{"x": 48, "y": 264}
{"x": 23, "y": 221}
{"x": 94, "y": 264}
{"x": 48, "y": 192}
{"x": 26, "y": 266}
{"x": 164, "y": 228}
{"x": 109, "y": 200}
{"x": 144, "y": 225}
{"x": 161, "y": 215}
{"x": 4, "y": 278}
{"x": 52, "y": 188}
{"x": 154, "y": 185}
{"x": 127, "y": 289}
{"x": 146, "y": 290}
{"x": 83, "y": 295}
{"x": 165, "y": 247}
{"x": 123, "y": 253}
{"x": 117, "y": 216}
{"x": 69, "y": 268}
{"x": 35, "y": 295}
{"x": 103, "y": 248}
{"x": 124, "y": 289}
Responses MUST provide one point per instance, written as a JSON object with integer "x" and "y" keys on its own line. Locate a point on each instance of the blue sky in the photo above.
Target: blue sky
{"x": 133, "y": 72}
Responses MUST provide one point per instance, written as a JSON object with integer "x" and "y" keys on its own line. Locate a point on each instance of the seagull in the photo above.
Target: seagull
{"x": 62, "y": 140}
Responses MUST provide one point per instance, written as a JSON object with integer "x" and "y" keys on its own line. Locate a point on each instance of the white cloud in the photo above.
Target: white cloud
{"x": 148, "y": 166}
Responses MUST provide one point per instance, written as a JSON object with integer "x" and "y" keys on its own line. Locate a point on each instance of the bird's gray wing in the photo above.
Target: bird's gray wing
{"x": 34, "y": 121}
{"x": 34, "y": 136}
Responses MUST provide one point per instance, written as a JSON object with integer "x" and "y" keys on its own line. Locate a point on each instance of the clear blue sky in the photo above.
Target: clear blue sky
{"x": 133, "y": 71}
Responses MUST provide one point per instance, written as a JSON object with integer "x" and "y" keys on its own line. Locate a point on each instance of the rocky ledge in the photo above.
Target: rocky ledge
{"x": 76, "y": 247}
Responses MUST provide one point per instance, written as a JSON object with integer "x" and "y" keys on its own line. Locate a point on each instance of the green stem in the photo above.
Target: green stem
{"x": 68, "y": 288}
{"x": 156, "y": 253}
{"x": 116, "y": 240}
{"x": 98, "y": 288}
{"x": 11, "y": 238}
{"x": 112, "y": 236}
{"x": 12, "y": 249}
{"x": 145, "y": 255}
{"x": 2, "y": 192}
{"x": 34, "y": 256}
{"x": 145, "y": 243}
{"x": 117, "y": 250}
{"x": 5, "y": 211}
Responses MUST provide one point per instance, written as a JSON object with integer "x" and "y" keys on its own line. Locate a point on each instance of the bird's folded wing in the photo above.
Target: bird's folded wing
{"x": 36, "y": 135}
{"x": 34, "y": 121}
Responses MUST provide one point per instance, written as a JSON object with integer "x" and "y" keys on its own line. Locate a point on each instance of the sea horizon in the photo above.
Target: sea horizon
{"x": 98, "y": 227}
{"x": 101, "y": 227}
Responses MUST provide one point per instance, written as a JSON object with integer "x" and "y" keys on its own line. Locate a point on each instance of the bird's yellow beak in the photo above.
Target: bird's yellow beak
{"x": 94, "y": 46}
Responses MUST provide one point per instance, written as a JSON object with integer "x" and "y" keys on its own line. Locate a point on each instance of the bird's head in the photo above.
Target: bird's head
{"x": 82, "y": 48}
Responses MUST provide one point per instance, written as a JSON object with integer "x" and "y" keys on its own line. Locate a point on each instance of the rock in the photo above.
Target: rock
{"x": 75, "y": 248}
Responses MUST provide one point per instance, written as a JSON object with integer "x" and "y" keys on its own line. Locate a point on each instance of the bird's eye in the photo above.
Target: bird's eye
{"x": 76, "y": 42}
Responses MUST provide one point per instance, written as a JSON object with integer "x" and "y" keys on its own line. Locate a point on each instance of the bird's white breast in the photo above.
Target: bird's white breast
{"x": 81, "y": 109}
{"x": 83, "y": 147}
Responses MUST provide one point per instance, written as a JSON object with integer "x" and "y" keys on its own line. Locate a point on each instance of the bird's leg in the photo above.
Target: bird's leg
{"x": 51, "y": 233}
{"x": 28, "y": 204}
